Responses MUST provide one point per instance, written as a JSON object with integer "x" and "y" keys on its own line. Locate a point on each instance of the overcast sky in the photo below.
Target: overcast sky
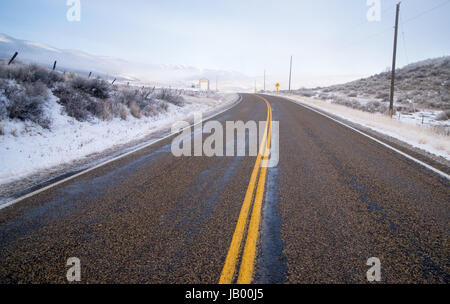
{"x": 326, "y": 37}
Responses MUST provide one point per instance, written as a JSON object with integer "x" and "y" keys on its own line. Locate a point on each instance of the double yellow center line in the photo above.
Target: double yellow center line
{"x": 249, "y": 252}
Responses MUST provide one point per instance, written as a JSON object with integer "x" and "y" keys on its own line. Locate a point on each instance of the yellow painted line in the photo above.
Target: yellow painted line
{"x": 229, "y": 268}
{"x": 248, "y": 257}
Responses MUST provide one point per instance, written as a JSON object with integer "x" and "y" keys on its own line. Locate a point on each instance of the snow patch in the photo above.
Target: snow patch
{"x": 27, "y": 148}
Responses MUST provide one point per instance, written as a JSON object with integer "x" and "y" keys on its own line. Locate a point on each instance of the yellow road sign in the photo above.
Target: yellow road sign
{"x": 278, "y": 86}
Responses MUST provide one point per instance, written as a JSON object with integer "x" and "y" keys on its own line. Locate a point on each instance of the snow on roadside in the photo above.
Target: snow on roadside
{"x": 418, "y": 136}
{"x": 26, "y": 148}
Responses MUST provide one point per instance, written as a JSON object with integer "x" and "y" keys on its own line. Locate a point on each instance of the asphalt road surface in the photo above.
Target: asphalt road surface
{"x": 335, "y": 200}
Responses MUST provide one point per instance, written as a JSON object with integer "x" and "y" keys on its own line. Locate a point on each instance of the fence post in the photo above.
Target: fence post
{"x": 13, "y": 57}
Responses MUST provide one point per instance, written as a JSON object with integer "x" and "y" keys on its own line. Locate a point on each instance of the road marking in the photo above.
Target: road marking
{"x": 248, "y": 257}
{"x": 229, "y": 268}
{"x": 437, "y": 171}
{"x": 17, "y": 200}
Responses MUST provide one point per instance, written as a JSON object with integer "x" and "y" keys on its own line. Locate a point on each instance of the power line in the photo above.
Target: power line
{"x": 385, "y": 30}
{"x": 404, "y": 40}
{"x": 414, "y": 18}
{"x": 427, "y": 11}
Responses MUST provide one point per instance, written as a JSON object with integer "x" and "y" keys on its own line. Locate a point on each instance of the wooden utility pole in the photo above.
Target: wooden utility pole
{"x": 391, "y": 100}
{"x": 264, "y": 80}
{"x": 54, "y": 65}
{"x": 12, "y": 58}
{"x": 290, "y": 75}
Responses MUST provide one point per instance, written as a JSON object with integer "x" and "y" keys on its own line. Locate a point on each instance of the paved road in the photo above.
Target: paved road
{"x": 335, "y": 199}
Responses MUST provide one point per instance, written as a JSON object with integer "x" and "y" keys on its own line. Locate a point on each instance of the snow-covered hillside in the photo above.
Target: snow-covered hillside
{"x": 422, "y": 93}
{"x": 82, "y": 62}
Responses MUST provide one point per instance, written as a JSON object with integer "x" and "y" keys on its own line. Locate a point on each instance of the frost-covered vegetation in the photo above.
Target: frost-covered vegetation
{"x": 26, "y": 89}
{"x": 420, "y": 86}
{"x": 49, "y": 120}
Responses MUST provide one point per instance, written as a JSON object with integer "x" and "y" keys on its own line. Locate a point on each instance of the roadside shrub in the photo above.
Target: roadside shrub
{"x": 170, "y": 97}
{"x": 149, "y": 110}
{"x": 127, "y": 97}
{"x": 305, "y": 93}
{"x": 345, "y": 102}
{"x": 373, "y": 107}
{"x": 443, "y": 116}
{"x": 3, "y": 102}
{"x": 30, "y": 74}
{"x": 155, "y": 108}
{"x": 27, "y": 103}
{"x": 74, "y": 102}
{"x": 135, "y": 111}
{"x": 107, "y": 113}
{"x": 95, "y": 87}
{"x": 123, "y": 112}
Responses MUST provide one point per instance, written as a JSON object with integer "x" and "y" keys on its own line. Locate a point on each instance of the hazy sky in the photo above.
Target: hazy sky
{"x": 326, "y": 37}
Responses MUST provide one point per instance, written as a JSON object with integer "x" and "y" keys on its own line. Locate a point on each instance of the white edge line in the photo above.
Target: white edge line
{"x": 17, "y": 200}
{"x": 443, "y": 174}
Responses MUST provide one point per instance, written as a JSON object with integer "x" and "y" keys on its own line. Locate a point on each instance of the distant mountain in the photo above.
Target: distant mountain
{"x": 79, "y": 61}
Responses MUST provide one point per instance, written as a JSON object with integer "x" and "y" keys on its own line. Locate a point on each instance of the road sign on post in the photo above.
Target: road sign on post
{"x": 277, "y": 85}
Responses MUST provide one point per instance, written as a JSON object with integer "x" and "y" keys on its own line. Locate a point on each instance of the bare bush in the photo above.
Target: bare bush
{"x": 170, "y": 96}
{"x": 346, "y": 102}
{"x": 123, "y": 112}
{"x": 443, "y": 116}
{"x": 27, "y": 103}
{"x": 441, "y": 130}
{"x": 26, "y": 89}
{"x": 373, "y": 107}
{"x": 135, "y": 111}
{"x": 127, "y": 97}
{"x": 30, "y": 74}
{"x": 305, "y": 92}
{"x": 95, "y": 87}
{"x": 74, "y": 102}
{"x": 105, "y": 109}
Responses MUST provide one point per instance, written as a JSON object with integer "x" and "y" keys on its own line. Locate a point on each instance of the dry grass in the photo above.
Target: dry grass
{"x": 417, "y": 134}
{"x": 135, "y": 111}
{"x": 123, "y": 113}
